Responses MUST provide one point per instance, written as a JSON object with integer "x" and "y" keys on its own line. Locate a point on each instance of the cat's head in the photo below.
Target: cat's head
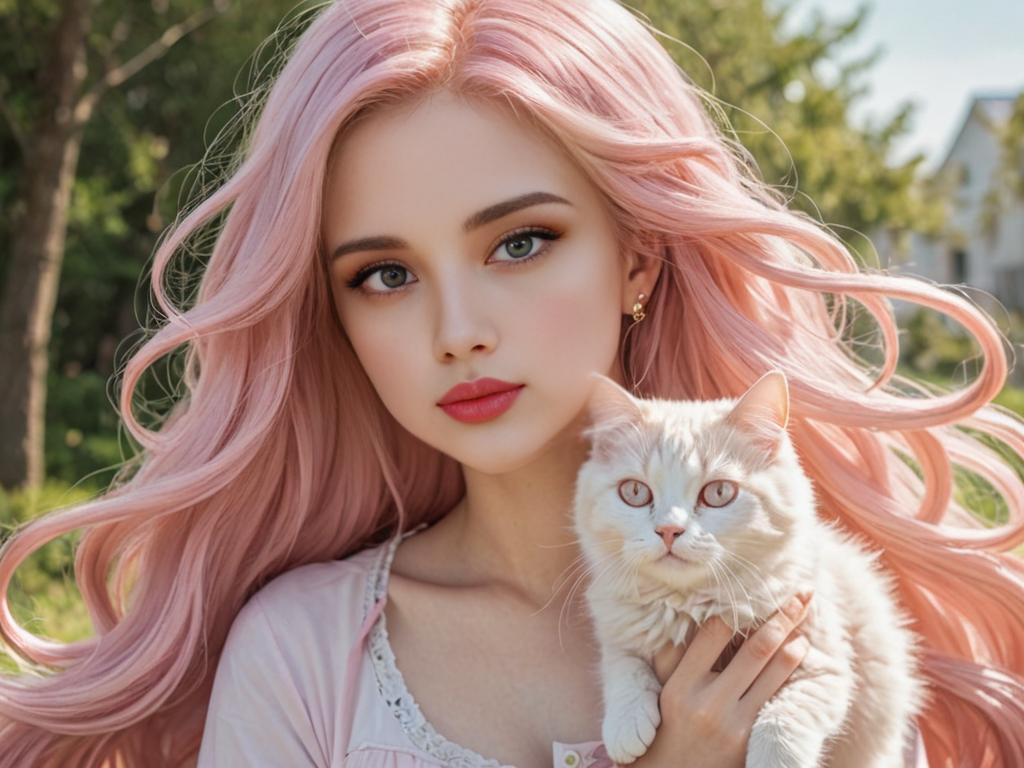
{"x": 678, "y": 487}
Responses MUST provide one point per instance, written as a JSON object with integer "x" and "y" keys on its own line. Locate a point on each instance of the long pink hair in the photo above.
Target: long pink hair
{"x": 279, "y": 452}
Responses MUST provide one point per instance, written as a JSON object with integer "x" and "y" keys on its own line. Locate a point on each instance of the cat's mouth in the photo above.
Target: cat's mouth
{"x": 670, "y": 556}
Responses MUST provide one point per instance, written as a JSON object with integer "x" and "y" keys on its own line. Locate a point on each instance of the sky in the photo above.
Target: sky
{"x": 938, "y": 53}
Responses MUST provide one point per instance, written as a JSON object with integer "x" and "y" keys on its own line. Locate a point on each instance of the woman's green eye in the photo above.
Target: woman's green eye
{"x": 393, "y": 276}
{"x": 519, "y": 240}
{"x": 519, "y": 246}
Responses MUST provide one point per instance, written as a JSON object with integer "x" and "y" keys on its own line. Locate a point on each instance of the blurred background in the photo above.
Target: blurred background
{"x": 899, "y": 125}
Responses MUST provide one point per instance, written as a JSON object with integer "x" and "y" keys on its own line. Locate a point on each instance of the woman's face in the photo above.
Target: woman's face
{"x": 532, "y": 296}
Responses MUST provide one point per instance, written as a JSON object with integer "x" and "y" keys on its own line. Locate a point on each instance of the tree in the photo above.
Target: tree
{"x": 47, "y": 121}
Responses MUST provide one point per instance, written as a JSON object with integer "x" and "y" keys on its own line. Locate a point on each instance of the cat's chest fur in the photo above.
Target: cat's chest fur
{"x": 654, "y": 615}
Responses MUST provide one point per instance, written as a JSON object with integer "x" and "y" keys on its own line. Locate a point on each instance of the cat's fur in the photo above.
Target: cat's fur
{"x": 852, "y": 701}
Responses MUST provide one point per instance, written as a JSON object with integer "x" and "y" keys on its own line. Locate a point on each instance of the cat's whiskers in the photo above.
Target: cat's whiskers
{"x": 751, "y": 567}
{"x": 739, "y": 583}
{"x": 741, "y": 539}
{"x": 632, "y": 567}
{"x": 608, "y": 562}
{"x": 571, "y": 529}
{"x": 718, "y": 582}
{"x": 732, "y": 599}
{"x": 613, "y": 563}
{"x": 557, "y": 546}
{"x": 577, "y": 562}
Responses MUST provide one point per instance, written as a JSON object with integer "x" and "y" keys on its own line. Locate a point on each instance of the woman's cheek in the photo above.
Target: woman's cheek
{"x": 580, "y": 325}
{"x": 385, "y": 351}
{"x": 579, "y": 338}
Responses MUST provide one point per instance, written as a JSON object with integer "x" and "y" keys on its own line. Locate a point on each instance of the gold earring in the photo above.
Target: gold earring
{"x": 638, "y": 308}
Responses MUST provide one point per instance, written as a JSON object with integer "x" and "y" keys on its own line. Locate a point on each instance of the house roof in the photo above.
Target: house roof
{"x": 995, "y": 107}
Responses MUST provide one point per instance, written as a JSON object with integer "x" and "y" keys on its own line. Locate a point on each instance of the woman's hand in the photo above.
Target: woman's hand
{"x": 706, "y": 716}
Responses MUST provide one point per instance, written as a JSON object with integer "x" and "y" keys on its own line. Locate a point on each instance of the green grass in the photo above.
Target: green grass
{"x": 43, "y": 597}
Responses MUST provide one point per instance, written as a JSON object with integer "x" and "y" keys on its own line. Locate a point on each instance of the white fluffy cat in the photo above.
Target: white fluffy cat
{"x": 725, "y": 472}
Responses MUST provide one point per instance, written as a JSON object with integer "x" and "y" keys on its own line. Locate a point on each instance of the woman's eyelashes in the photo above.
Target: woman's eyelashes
{"x": 521, "y": 246}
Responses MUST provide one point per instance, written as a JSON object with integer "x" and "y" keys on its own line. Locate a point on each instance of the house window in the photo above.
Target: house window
{"x": 959, "y": 266}
{"x": 965, "y": 175}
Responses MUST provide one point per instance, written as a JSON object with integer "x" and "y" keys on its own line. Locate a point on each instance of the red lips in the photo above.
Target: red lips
{"x": 470, "y": 390}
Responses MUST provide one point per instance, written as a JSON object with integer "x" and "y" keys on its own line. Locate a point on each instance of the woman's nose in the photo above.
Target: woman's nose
{"x": 463, "y": 323}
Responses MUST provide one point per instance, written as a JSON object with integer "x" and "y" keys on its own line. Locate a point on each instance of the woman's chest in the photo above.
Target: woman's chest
{"x": 504, "y": 683}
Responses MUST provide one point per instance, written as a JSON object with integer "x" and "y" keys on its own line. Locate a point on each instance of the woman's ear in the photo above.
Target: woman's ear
{"x": 643, "y": 262}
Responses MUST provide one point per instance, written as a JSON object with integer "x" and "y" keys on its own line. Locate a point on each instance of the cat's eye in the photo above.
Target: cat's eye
{"x": 635, "y": 493}
{"x": 718, "y": 493}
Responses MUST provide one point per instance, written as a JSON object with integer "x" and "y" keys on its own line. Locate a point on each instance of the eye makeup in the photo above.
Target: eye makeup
{"x": 533, "y": 232}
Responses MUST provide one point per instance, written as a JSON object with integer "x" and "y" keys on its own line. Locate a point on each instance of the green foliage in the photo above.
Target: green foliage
{"x": 81, "y": 434}
{"x": 942, "y": 352}
{"x": 143, "y": 135}
{"x": 788, "y": 97}
{"x": 931, "y": 348}
{"x": 1012, "y": 398}
{"x": 125, "y": 193}
{"x": 43, "y": 596}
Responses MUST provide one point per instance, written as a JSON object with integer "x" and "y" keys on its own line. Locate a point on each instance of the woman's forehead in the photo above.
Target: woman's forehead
{"x": 443, "y": 150}
{"x": 445, "y": 141}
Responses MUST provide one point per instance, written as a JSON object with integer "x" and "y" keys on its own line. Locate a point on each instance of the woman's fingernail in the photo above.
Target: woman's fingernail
{"x": 805, "y": 597}
{"x": 793, "y": 608}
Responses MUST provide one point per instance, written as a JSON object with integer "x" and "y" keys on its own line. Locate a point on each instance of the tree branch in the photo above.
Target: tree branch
{"x": 116, "y": 75}
{"x": 107, "y": 54}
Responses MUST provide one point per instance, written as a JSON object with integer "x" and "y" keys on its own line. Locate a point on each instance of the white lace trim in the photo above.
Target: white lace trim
{"x": 391, "y": 684}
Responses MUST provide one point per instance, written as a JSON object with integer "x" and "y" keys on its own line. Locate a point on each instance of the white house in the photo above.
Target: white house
{"x": 967, "y": 255}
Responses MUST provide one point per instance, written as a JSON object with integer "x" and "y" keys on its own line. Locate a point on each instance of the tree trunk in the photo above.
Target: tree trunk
{"x": 37, "y": 251}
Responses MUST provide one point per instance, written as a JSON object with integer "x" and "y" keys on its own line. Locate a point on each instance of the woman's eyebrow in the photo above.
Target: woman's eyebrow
{"x": 477, "y": 220}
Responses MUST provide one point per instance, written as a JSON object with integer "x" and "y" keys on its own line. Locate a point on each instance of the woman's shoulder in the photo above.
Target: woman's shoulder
{"x": 308, "y": 606}
{"x": 320, "y": 590}
{"x": 268, "y": 704}
{"x": 302, "y": 623}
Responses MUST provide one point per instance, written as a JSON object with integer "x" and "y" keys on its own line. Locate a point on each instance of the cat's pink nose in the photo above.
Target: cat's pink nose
{"x": 669, "y": 533}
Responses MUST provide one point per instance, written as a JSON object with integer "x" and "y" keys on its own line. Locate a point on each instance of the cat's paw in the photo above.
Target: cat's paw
{"x": 773, "y": 745}
{"x": 630, "y": 724}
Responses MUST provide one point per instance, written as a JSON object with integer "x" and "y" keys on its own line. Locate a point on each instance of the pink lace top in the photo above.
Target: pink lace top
{"x": 307, "y": 677}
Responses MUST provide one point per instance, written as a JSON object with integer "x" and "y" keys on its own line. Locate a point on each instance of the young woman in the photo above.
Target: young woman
{"x": 325, "y": 559}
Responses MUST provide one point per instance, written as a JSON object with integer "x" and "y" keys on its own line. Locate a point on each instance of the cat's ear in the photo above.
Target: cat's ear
{"x": 613, "y": 413}
{"x": 763, "y": 411}
{"x": 610, "y": 402}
